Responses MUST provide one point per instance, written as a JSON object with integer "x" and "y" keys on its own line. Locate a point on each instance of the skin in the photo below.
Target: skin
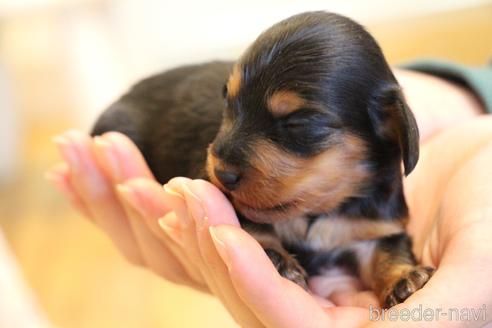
{"x": 187, "y": 232}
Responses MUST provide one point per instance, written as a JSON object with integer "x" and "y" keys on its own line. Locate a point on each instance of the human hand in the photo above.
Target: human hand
{"x": 103, "y": 178}
{"x": 450, "y": 201}
{"x": 107, "y": 180}
{"x": 238, "y": 270}
{"x": 451, "y": 239}
{"x": 450, "y": 229}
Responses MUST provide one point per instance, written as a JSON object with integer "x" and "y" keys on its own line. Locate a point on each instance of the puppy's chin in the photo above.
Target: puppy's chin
{"x": 284, "y": 211}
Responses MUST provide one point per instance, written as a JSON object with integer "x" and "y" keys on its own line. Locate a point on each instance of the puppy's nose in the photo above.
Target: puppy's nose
{"x": 229, "y": 179}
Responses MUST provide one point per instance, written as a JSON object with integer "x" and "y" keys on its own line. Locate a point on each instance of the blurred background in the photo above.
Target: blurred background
{"x": 63, "y": 61}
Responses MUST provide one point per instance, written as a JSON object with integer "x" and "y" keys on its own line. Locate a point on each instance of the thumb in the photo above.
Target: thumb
{"x": 276, "y": 301}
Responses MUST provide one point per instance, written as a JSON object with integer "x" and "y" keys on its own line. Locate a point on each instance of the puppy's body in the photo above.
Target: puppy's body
{"x": 306, "y": 141}
{"x": 172, "y": 118}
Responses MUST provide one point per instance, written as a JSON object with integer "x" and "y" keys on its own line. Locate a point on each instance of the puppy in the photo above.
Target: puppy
{"x": 306, "y": 140}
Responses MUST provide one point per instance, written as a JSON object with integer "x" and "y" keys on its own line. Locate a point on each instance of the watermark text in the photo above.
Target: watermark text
{"x": 428, "y": 314}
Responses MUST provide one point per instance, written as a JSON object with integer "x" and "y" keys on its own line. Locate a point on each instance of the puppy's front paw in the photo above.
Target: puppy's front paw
{"x": 295, "y": 273}
{"x": 408, "y": 284}
{"x": 288, "y": 267}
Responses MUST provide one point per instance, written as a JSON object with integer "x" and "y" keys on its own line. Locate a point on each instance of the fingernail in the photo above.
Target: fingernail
{"x": 220, "y": 246}
{"x": 55, "y": 180}
{"x": 170, "y": 231}
{"x": 127, "y": 193}
{"x": 183, "y": 213}
{"x": 68, "y": 152}
{"x": 195, "y": 206}
{"x": 131, "y": 198}
{"x": 171, "y": 191}
{"x": 109, "y": 157}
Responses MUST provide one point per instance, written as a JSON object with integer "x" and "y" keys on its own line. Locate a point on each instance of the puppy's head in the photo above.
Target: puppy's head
{"x": 313, "y": 115}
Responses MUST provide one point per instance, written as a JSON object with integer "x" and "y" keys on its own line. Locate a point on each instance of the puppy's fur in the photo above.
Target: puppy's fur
{"x": 306, "y": 138}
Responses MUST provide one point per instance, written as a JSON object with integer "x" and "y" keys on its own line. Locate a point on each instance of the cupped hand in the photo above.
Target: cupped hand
{"x": 449, "y": 227}
{"x": 167, "y": 230}
{"x": 108, "y": 181}
{"x": 450, "y": 200}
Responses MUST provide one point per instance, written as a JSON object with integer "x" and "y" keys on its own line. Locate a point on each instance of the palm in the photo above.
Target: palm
{"x": 450, "y": 227}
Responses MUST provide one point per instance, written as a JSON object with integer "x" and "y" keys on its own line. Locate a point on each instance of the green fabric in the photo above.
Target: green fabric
{"x": 478, "y": 79}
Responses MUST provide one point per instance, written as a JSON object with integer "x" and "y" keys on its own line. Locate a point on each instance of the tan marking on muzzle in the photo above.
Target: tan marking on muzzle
{"x": 212, "y": 161}
{"x": 313, "y": 185}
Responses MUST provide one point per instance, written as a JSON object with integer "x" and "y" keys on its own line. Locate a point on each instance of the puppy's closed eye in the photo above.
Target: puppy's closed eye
{"x": 305, "y": 131}
{"x": 306, "y": 116}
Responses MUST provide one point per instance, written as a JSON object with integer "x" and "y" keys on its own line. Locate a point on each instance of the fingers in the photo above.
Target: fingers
{"x": 343, "y": 290}
{"x": 155, "y": 253}
{"x": 250, "y": 282}
{"x": 175, "y": 191}
{"x": 150, "y": 202}
{"x": 170, "y": 226}
{"x": 270, "y": 293}
{"x": 365, "y": 299}
{"x": 275, "y": 300}
{"x": 203, "y": 195}
{"x": 186, "y": 251}
{"x": 96, "y": 192}
{"x": 175, "y": 199}
{"x": 462, "y": 242}
{"x": 120, "y": 158}
{"x": 147, "y": 204}
{"x": 143, "y": 202}
{"x": 95, "y": 180}
{"x": 323, "y": 302}
{"x": 460, "y": 283}
{"x": 59, "y": 177}
{"x": 208, "y": 207}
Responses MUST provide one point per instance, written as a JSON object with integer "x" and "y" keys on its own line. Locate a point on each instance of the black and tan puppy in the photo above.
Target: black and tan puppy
{"x": 306, "y": 138}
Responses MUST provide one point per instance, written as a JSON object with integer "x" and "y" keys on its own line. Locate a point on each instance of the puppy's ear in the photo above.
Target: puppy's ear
{"x": 394, "y": 123}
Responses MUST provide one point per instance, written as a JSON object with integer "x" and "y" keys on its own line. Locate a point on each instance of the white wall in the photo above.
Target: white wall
{"x": 108, "y": 44}
{"x": 130, "y": 39}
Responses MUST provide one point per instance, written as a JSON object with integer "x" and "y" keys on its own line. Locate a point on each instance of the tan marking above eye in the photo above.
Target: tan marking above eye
{"x": 234, "y": 82}
{"x": 282, "y": 103}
